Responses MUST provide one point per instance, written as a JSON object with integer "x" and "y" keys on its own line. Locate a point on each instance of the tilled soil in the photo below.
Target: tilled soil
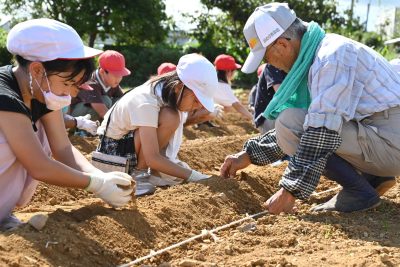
{"x": 83, "y": 231}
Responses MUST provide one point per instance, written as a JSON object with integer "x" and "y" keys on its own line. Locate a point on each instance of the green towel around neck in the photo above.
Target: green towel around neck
{"x": 293, "y": 92}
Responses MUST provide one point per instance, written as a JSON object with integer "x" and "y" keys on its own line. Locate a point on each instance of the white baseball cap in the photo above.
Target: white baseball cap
{"x": 199, "y": 75}
{"x": 47, "y": 39}
{"x": 264, "y": 26}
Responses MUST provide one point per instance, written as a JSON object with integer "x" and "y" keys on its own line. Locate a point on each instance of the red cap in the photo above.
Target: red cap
{"x": 261, "y": 69}
{"x": 113, "y": 62}
{"x": 165, "y": 68}
{"x": 226, "y": 62}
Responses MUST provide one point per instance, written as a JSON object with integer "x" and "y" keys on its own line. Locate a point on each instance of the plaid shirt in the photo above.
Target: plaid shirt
{"x": 302, "y": 175}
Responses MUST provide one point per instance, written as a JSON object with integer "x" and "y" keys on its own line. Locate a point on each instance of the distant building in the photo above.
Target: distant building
{"x": 389, "y": 22}
{"x": 178, "y": 37}
{"x": 99, "y": 43}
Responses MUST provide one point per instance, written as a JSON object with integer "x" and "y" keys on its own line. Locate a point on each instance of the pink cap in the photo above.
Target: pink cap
{"x": 113, "y": 62}
{"x": 165, "y": 68}
{"x": 226, "y": 62}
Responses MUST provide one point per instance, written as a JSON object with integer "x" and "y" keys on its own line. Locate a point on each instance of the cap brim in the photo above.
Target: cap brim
{"x": 91, "y": 52}
{"x": 253, "y": 60}
{"x": 86, "y": 52}
{"x": 207, "y": 102}
{"x": 124, "y": 72}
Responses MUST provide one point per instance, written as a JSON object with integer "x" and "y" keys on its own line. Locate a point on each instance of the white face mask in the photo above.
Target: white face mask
{"x": 54, "y": 102}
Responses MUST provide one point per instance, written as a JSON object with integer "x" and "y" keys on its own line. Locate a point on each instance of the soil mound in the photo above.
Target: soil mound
{"x": 83, "y": 231}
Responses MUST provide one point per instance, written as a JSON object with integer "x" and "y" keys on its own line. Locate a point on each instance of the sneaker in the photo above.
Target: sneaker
{"x": 164, "y": 180}
{"x": 348, "y": 201}
{"x": 143, "y": 185}
{"x": 9, "y": 223}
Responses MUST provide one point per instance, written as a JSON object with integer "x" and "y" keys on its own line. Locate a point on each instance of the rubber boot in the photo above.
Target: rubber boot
{"x": 381, "y": 183}
{"x": 357, "y": 194}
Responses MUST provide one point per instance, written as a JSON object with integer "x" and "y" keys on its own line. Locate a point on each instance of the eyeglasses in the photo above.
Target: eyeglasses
{"x": 271, "y": 45}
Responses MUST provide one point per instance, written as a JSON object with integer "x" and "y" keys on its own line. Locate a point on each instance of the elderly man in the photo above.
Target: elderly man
{"x": 337, "y": 113}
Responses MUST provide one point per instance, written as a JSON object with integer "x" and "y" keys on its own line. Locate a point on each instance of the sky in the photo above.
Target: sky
{"x": 176, "y": 7}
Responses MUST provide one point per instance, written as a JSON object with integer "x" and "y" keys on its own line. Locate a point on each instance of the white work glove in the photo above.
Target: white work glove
{"x": 84, "y": 123}
{"x": 218, "y": 111}
{"x": 197, "y": 176}
{"x": 105, "y": 186}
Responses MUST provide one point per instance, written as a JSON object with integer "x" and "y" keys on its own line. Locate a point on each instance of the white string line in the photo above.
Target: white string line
{"x": 326, "y": 191}
{"x": 208, "y": 232}
{"x": 202, "y": 234}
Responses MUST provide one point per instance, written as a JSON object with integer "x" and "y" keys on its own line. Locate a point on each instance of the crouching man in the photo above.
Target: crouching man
{"x": 337, "y": 113}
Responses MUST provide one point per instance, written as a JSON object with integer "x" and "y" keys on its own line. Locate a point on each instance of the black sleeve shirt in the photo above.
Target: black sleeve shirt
{"x": 11, "y": 98}
{"x": 265, "y": 92}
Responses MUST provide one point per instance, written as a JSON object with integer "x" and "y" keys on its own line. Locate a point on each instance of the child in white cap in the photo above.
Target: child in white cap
{"x": 51, "y": 60}
{"x": 142, "y": 122}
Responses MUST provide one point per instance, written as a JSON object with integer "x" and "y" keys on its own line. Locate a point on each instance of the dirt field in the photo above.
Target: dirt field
{"x": 82, "y": 231}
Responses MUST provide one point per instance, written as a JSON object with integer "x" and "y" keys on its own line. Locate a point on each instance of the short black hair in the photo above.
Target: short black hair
{"x": 76, "y": 66}
{"x": 221, "y": 74}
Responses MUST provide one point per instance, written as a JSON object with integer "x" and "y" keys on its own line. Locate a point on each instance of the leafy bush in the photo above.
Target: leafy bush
{"x": 144, "y": 61}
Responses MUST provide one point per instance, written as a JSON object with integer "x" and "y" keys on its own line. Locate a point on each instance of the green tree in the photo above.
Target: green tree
{"x": 5, "y": 56}
{"x": 220, "y": 27}
{"x": 224, "y": 29}
{"x": 126, "y": 21}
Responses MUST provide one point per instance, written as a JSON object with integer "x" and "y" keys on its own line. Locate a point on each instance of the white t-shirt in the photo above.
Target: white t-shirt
{"x": 224, "y": 95}
{"x": 139, "y": 107}
{"x": 175, "y": 142}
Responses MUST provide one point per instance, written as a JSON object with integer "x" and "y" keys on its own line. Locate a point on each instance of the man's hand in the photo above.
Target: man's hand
{"x": 233, "y": 163}
{"x": 281, "y": 201}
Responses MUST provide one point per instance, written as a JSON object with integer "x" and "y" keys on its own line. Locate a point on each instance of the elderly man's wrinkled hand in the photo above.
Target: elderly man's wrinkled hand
{"x": 281, "y": 201}
{"x": 233, "y": 163}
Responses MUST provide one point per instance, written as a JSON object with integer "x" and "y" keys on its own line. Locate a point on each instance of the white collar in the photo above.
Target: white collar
{"x": 106, "y": 88}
